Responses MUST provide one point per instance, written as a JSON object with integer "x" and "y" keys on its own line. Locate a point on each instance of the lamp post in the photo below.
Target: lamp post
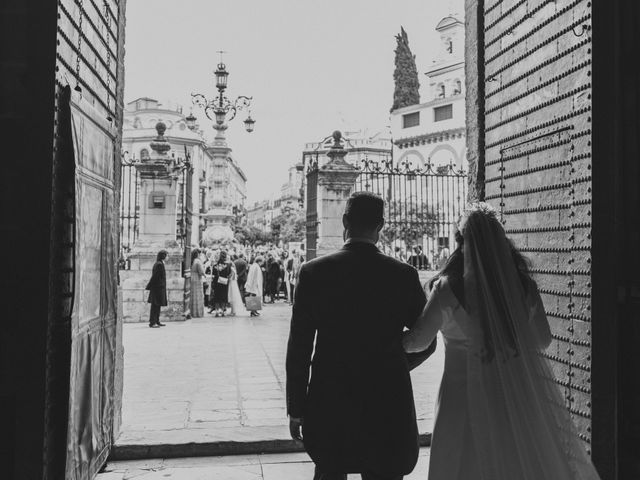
{"x": 220, "y": 106}
{"x": 220, "y": 110}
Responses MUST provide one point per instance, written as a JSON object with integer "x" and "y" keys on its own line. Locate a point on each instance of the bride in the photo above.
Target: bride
{"x": 500, "y": 414}
{"x": 235, "y": 297}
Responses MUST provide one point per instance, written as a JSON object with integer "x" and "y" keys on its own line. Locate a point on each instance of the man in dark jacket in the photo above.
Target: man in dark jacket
{"x": 242, "y": 270}
{"x": 356, "y": 414}
{"x": 157, "y": 287}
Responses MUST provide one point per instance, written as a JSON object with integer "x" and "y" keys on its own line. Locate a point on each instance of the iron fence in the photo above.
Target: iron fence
{"x": 129, "y": 209}
{"x": 422, "y": 207}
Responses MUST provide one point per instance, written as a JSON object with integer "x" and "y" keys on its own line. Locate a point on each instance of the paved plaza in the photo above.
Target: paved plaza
{"x": 220, "y": 380}
{"x": 290, "y": 466}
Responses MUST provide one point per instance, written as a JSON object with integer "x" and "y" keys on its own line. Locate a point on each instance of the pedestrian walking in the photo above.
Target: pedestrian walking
{"x": 157, "y": 287}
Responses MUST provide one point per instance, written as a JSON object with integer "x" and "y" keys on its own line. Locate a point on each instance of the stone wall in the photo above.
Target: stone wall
{"x": 134, "y": 296}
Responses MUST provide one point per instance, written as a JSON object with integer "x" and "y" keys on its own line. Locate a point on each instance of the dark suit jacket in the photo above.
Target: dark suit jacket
{"x": 241, "y": 270}
{"x": 157, "y": 286}
{"x": 358, "y": 406}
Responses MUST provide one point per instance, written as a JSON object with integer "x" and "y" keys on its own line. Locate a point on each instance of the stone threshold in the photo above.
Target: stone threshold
{"x": 142, "y": 451}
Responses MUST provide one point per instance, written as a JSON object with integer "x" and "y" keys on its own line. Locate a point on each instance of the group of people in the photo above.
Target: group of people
{"x": 217, "y": 282}
{"x": 222, "y": 281}
{"x": 361, "y": 321}
{"x": 416, "y": 257}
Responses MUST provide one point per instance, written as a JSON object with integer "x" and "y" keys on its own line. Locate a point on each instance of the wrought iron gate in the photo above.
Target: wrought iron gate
{"x": 129, "y": 209}
{"x": 422, "y": 207}
{"x": 537, "y": 136}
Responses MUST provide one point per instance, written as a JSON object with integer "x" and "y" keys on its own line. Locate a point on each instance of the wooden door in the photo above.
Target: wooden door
{"x": 537, "y": 131}
{"x": 85, "y": 331}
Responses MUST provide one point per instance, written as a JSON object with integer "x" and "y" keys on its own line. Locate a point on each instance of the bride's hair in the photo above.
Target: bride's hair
{"x": 453, "y": 269}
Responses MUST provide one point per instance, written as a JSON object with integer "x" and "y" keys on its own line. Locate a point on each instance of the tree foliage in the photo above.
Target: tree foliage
{"x": 407, "y": 86}
{"x": 409, "y": 223}
{"x": 249, "y": 234}
{"x": 289, "y": 227}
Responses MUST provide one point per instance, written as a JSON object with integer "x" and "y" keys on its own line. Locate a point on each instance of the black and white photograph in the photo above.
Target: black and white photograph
{"x": 320, "y": 240}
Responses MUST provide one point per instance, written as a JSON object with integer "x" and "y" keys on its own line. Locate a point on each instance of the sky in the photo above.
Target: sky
{"x": 312, "y": 66}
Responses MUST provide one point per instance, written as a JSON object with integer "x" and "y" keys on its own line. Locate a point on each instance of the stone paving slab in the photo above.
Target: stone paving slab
{"x": 213, "y": 380}
{"x": 292, "y": 466}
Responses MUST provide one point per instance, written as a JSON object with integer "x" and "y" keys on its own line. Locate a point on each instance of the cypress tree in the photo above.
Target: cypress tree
{"x": 407, "y": 87}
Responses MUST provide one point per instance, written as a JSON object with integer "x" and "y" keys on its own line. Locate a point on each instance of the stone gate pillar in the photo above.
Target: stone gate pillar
{"x": 335, "y": 184}
{"x": 158, "y": 215}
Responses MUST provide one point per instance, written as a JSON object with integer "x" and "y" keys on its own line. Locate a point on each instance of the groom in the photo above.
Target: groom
{"x": 356, "y": 413}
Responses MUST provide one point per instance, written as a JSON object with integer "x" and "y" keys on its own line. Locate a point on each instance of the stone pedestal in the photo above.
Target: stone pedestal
{"x": 335, "y": 183}
{"x": 134, "y": 296}
{"x": 158, "y": 210}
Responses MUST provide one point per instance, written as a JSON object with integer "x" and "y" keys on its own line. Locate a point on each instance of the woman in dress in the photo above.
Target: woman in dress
{"x": 197, "y": 276}
{"x": 500, "y": 415}
{"x": 235, "y": 297}
{"x": 221, "y": 272}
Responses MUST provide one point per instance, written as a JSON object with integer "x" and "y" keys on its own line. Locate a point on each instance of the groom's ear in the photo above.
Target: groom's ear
{"x": 380, "y": 226}
{"x": 345, "y": 222}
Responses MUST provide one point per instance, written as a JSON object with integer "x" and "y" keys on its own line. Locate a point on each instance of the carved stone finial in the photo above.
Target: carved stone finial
{"x": 336, "y": 153}
{"x": 160, "y": 145}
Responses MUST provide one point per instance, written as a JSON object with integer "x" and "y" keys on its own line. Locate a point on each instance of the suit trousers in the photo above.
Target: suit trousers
{"x": 343, "y": 476}
{"x": 154, "y": 314}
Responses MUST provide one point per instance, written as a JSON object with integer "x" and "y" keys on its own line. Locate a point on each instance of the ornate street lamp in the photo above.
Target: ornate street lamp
{"x": 218, "y": 108}
{"x": 249, "y": 123}
{"x": 221, "y": 76}
{"x": 191, "y": 121}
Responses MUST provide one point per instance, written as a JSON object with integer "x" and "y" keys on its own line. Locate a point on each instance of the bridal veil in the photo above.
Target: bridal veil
{"x": 520, "y": 425}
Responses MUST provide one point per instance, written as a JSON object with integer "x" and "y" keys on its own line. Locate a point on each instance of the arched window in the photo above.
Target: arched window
{"x": 440, "y": 92}
{"x": 449, "y": 45}
{"x": 457, "y": 87}
{"x": 144, "y": 154}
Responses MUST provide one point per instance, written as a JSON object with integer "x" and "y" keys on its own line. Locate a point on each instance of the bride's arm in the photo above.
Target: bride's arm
{"x": 426, "y": 327}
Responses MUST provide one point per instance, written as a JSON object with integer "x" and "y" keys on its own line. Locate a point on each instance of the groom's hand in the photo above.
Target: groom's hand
{"x": 295, "y": 428}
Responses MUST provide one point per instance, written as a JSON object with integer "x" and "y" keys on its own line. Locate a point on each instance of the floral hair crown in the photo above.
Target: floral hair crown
{"x": 477, "y": 208}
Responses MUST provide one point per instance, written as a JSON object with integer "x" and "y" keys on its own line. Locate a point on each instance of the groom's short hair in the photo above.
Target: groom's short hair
{"x": 364, "y": 211}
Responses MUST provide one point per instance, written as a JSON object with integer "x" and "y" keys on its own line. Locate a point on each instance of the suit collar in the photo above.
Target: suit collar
{"x": 362, "y": 246}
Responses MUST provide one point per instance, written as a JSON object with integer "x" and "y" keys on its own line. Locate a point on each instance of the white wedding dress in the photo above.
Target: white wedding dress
{"x": 500, "y": 415}
{"x": 235, "y": 297}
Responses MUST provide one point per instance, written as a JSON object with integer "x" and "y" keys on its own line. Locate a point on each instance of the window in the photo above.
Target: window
{"x": 457, "y": 87}
{"x": 445, "y": 112}
{"x": 144, "y": 154}
{"x": 202, "y": 200}
{"x": 440, "y": 92}
{"x": 156, "y": 200}
{"x": 411, "y": 120}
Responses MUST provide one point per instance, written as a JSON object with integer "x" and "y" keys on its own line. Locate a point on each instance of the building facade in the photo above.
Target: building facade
{"x": 433, "y": 132}
{"x": 220, "y": 185}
